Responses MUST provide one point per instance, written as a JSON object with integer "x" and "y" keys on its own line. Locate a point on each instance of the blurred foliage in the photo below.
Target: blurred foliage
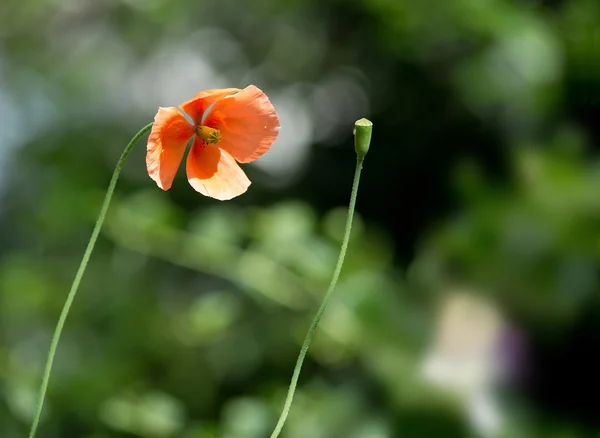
{"x": 483, "y": 173}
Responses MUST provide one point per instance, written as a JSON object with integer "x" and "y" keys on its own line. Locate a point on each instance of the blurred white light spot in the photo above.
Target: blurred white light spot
{"x": 336, "y": 104}
{"x": 484, "y": 414}
{"x": 221, "y": 48}
{"x": 533, "y": 53}
{"x": 463, "y": 357}
{"x": 290, "y": 150}
{"x": 23, "y": 118}
{"x": 173, "y": 76}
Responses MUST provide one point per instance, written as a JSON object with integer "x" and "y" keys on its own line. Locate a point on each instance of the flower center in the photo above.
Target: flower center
{"x": 208, "y": 134}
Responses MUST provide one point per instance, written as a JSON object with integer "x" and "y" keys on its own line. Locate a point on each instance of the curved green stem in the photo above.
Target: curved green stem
{"x": 84, "y": 261}
{"x": 323, "y": 307}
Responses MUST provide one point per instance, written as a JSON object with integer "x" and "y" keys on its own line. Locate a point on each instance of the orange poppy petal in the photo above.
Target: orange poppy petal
{"x": 166, "y": 145}
{"x": 214, "y": 173}
{"x": 198, "y": 104}
{"x": 247, "y": 121}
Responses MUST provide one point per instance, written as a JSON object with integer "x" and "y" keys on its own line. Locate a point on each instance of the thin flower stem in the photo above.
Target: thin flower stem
{"x": 323, "y": 307}
{"x": 84, "y": 261}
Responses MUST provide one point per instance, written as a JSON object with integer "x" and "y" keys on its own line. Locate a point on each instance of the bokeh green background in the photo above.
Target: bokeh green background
{"x": 483, "y": 174}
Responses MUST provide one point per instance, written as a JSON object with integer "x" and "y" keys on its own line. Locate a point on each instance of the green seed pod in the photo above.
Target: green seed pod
{"x": 362, "y": 137}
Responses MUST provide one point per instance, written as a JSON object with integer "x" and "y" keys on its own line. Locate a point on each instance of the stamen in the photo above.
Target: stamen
{"x": 208, "y": 134}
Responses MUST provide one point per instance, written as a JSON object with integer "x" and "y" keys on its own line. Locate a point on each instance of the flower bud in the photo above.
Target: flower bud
{"x": 362, "y": 137}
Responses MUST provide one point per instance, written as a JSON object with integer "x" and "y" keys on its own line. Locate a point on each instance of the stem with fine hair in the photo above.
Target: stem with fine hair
{"x": 73, "y": 291}
{"x": 315, "y": 323}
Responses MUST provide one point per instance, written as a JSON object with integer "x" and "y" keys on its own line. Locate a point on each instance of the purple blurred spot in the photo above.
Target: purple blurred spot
{"x": 512, "y": 355}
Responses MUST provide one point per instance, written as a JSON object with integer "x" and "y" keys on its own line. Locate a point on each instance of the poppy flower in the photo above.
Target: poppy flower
{"x": 228, "y": 126}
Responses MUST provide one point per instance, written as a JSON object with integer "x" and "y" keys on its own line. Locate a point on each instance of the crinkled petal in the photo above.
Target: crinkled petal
{"x": 214, "y": 173}
{"x": 198, "y": 104}
{"x": 166, "y": 145}
{"x": 247, "y": 122}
